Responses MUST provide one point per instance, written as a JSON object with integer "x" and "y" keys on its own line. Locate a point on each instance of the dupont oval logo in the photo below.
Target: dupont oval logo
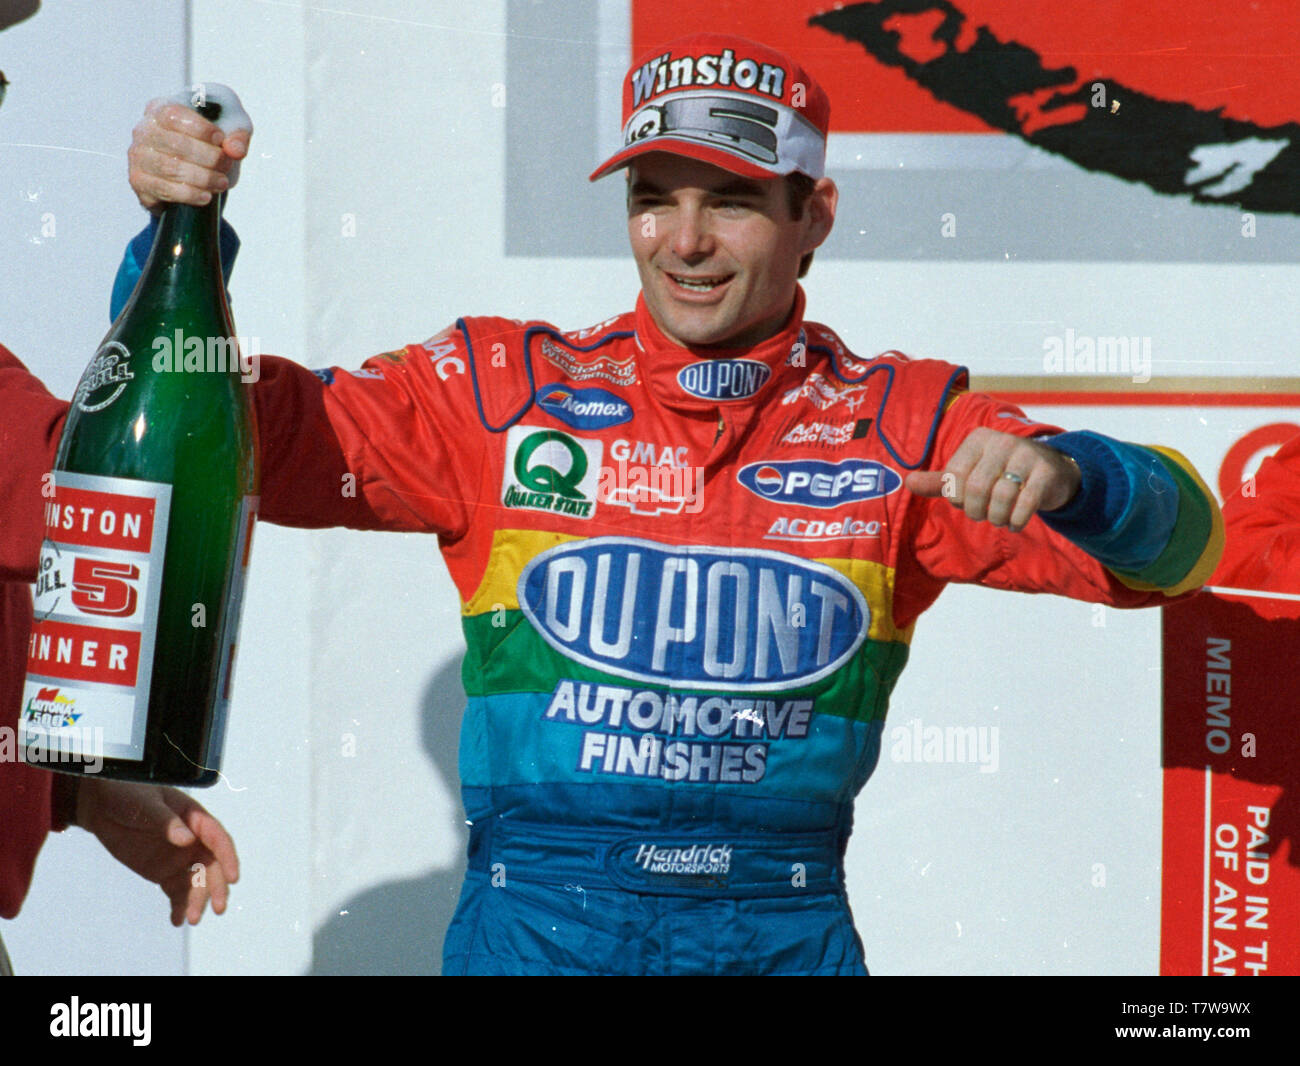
{"x": 723, "y": 379}
{"x": 723, "y": 618}
{"x": 817, "y": 483}
{"x": 583, "y": 408}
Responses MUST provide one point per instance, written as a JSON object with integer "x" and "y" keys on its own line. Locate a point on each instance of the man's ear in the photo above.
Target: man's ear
{"x": 821, "y": 212}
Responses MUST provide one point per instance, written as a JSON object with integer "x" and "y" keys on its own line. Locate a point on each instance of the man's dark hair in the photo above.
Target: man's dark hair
{"x": 799, "y": 190}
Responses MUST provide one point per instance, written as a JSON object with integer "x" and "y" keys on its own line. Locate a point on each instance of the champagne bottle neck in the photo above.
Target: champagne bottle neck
{"x": 184, "y": 266}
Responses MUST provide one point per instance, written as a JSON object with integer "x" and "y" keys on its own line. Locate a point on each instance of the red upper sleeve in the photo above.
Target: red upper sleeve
{"x": 394, "y": 445}
{"x": 30, "y": 423}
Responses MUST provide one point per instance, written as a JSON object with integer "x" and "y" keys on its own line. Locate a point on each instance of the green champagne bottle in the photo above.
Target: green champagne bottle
{"x": 148, "y": 522}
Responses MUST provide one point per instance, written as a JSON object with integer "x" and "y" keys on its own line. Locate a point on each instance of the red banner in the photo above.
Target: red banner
{"x": 1231, "y": 886}
{"x": 1208, "y": 53}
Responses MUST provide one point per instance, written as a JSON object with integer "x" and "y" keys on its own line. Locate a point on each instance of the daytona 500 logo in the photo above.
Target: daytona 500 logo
{"x": 817, "y": 483}
{"x": 728, "y": 618}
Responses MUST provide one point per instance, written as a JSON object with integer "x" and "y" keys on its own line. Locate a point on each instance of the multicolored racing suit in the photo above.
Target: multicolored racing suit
{"x": 688, "y": 587}
{"x": 688, "y": 581}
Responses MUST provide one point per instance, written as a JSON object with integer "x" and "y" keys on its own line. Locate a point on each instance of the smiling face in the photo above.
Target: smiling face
{"x": 718, "y": 253}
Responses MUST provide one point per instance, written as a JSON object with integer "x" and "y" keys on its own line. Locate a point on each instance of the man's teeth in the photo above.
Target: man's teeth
{"x": 698, "y": 284}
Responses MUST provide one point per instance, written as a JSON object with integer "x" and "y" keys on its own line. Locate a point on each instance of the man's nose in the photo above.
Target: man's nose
{"x": 692, "y": 235}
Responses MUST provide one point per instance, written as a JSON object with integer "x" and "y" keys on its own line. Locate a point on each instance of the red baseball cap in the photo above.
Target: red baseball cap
{"x": 724, "y": 100}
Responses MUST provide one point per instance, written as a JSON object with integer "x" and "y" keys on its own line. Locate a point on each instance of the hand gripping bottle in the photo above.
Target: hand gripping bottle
{"x": 148, "y": 520}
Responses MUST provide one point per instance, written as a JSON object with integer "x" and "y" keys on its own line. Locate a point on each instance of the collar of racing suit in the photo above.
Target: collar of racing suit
{"x": 702, "y": 379}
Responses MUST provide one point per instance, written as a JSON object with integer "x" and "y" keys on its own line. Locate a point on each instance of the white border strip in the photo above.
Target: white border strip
{"x": 936, "y": 151}
{"x": 1205, "y": 896}
{"x": 1252, "y": 592}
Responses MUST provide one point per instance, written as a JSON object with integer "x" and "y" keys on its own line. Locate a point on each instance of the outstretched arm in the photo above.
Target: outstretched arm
{"x": 161, "y": 833}
{"x": 1073, "y": 500}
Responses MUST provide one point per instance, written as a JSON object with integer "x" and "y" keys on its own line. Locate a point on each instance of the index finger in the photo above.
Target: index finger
{"x": 211, "y": 833}
{"x": 952, "y": 478}
{"x": 183, "y": 120}
{"x": 214, "y": 837}
{"x": 980, "y": 442}
{"x": 218, "y": 890}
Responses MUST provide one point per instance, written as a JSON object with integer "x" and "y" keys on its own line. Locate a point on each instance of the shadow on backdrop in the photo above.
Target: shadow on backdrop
{"x": 398, "y": 928}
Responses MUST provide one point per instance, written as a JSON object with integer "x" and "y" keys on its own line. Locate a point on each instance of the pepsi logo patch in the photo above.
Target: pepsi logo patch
{"x": 817, "y": 483}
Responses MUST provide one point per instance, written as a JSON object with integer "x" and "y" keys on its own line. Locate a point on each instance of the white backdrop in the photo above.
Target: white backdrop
{"x": 371, "y": 211}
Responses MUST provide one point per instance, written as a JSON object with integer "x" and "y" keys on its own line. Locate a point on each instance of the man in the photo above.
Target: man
{"x": 690, "y": 542}
{"x": 160, "y": 833}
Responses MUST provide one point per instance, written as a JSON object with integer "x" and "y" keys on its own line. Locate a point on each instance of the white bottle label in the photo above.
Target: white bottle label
{"x": 90, "y": 658}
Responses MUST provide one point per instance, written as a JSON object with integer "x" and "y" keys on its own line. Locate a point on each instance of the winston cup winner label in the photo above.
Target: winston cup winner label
{"x": 90, "y": 657}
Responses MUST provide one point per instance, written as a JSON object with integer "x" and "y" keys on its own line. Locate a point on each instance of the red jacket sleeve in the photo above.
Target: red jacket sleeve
{"x": 25, "y": 814}
{"x": 1263, "y": 527}
{"x": 947, "y": 546}
{"x": 394, "y": 445}
{"x": 391, "y": 446}
{"x": 30, "y": 423}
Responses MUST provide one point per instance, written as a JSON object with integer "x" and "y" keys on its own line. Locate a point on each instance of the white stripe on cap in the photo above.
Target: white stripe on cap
{"x": 764, "y": 133}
